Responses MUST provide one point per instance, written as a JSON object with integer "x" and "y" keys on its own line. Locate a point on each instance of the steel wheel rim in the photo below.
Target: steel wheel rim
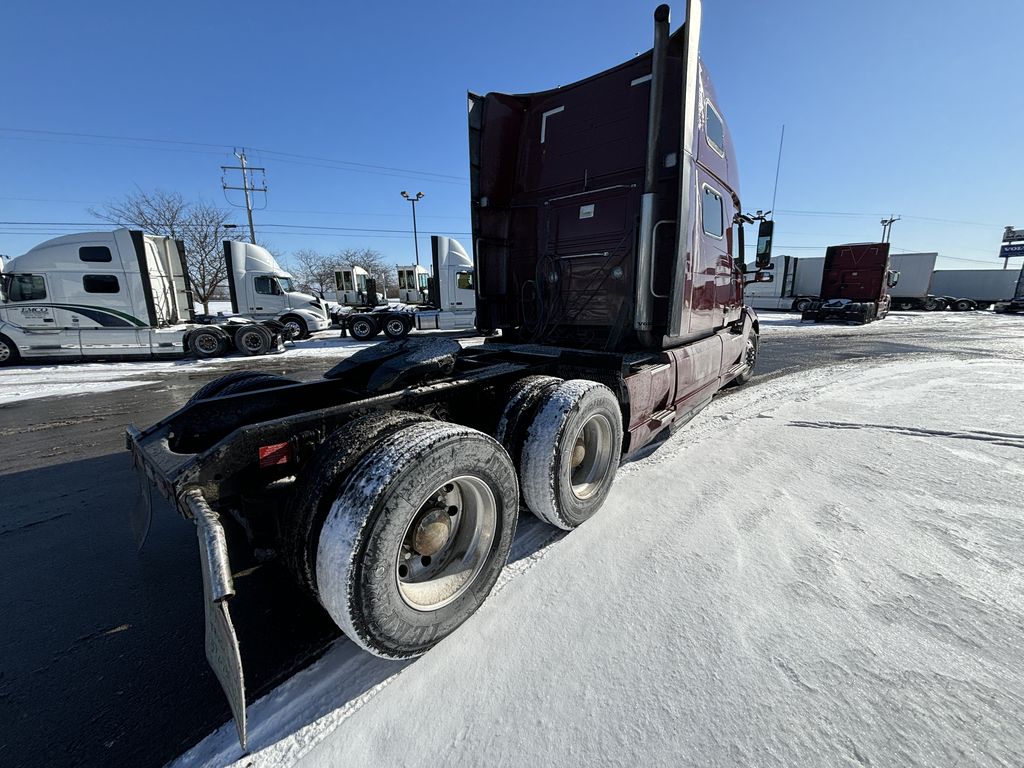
{"x": 395, "y": 327}
{"x": 466, "y": 509}
{"x": 294, "y": 327}
{"x": 252, "y": 341}
{"x": 361, "y": 328}
{"x": 592, "y": 456}
{"x": 206, "y": 342}
{"x": 5, "y": 352}
{"x": 751, "y": 353}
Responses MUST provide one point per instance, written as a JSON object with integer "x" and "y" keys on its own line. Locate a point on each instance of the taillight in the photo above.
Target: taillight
{"x": 273, "y": 455}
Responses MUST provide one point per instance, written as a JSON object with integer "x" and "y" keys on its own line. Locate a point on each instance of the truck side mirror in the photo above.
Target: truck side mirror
{"x": 892, "y": 278}
{"x": 764, "y": 244}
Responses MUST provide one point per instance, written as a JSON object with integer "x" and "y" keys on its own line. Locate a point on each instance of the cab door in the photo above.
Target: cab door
{"x": 463, "y": 293}
{"x": 27, "y": 302}
{"x": 729, "y": 279}
{"x": 706, "y": 314}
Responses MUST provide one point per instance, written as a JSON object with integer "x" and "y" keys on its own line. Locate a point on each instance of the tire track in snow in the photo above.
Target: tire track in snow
{"x": 999, "y": 438}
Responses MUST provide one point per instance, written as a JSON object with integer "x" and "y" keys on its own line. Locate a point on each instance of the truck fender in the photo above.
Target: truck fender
{"x": 408, "y": 361}
{"x": 423, "y": 360}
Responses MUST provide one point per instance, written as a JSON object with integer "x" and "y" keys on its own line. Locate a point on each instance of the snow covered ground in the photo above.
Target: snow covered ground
{"x": 822, "y": 569}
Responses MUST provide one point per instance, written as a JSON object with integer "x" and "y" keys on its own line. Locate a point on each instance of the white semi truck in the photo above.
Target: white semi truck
{"x": 122, "y": 294}
{"x": 795, "y": 284}
{"x": 450, "y": 300}
{"x": 355, "y": 288}
{"x": 262, "y": 290}
{"x": 413, "y": 284}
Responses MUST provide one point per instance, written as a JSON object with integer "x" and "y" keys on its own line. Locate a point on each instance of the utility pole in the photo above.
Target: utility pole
{"x": 415, "y": 238}
{"x": 887, "y": 227}
{"x": 247, "y": 186}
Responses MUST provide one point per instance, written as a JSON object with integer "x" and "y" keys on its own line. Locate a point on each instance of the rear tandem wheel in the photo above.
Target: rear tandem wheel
{"x": 416, "y": 537}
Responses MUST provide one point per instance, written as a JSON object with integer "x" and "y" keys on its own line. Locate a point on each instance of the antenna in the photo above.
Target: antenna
{"x": 778, "y": 164}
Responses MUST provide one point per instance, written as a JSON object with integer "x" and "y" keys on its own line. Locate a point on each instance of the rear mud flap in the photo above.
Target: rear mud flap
{"x": 140, "y": 514}
{"x": 222, "y": 650}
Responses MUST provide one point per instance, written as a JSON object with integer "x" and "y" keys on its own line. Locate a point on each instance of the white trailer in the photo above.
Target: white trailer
{"x": 795, "y": 283}
{"x": 981, "y": 286}
{"x": 913, "y": 287}
{"x": 120, "y": 294}
{"x": 262, "y": 290}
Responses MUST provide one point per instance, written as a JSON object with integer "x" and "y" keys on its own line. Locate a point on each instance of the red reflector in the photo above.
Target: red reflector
{"x": 272, "y": 455}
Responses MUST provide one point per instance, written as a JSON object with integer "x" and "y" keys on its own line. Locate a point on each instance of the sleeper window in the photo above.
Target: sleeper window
{"x": 711, "y": 212}
{"x": 94, "y": 253}
{"x": 101, "y": 284}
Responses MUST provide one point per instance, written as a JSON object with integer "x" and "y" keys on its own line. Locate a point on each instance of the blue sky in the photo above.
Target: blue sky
{"x": 911, "y": 108}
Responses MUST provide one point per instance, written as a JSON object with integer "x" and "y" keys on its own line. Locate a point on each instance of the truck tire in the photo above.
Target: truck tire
{"x": 318, "y": 484}
{"x": 239, "y": 381}
{"x": 416, "y": 537}
{"x": 253, "y": 339}
{"x": 9, "y": 354}
{"x": 298, "y": 327}
{"x": 364, "y": 328}
{"x": 750, "y": 354}
{"x": 208, "y": 342}
{"x": 396, "y": 328}
{"x": 571, "y": 453}
{"x": 524, "y": 397}
{"x": 904, "y": 305}
{"x": 963, "y": 305}
{"x": 801, "y": 304}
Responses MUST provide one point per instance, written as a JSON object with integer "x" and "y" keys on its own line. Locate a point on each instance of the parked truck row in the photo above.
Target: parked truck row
{"x": 443, "y": 301}
{"x": 608, "y": 238}
{"x": 798, "y": 283}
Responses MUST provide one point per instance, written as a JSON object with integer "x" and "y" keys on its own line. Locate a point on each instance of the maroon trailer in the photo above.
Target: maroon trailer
{"x": 855, "y": 284}
{"x": 608, "y": 238}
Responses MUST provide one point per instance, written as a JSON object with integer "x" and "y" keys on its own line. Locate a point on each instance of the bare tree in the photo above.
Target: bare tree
{"x": 315, "y": 271}
{"x": 373, "y": 262}
{"x": 200, "y": 225}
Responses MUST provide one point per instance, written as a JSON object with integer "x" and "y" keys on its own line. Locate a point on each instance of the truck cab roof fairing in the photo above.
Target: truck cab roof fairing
{"x": 557, "y": 178}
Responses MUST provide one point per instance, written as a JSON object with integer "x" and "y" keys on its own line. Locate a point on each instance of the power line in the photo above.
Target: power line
{"x": 844, "y": 214}
{"x": 290, "y": 157}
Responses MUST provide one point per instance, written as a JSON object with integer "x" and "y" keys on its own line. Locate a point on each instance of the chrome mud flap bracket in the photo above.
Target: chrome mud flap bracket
{"x": 222, "y": 650}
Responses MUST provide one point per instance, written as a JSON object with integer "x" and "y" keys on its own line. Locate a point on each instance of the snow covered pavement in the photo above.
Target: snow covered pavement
{"x": 822, "y": 569}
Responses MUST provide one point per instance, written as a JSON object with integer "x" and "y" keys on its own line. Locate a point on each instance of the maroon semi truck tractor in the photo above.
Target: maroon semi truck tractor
{"x": 855, "y": 284}
{"x": 608, "y": 238}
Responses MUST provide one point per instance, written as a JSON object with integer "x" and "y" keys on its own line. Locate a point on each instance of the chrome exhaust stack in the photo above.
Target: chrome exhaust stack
{"x": 643, "y": 318}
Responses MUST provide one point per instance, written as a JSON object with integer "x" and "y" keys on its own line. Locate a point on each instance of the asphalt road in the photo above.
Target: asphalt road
{"x": 102, "y": 647}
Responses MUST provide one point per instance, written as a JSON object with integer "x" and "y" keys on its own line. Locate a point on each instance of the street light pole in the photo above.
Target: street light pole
{"x": 415, "y": 237}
